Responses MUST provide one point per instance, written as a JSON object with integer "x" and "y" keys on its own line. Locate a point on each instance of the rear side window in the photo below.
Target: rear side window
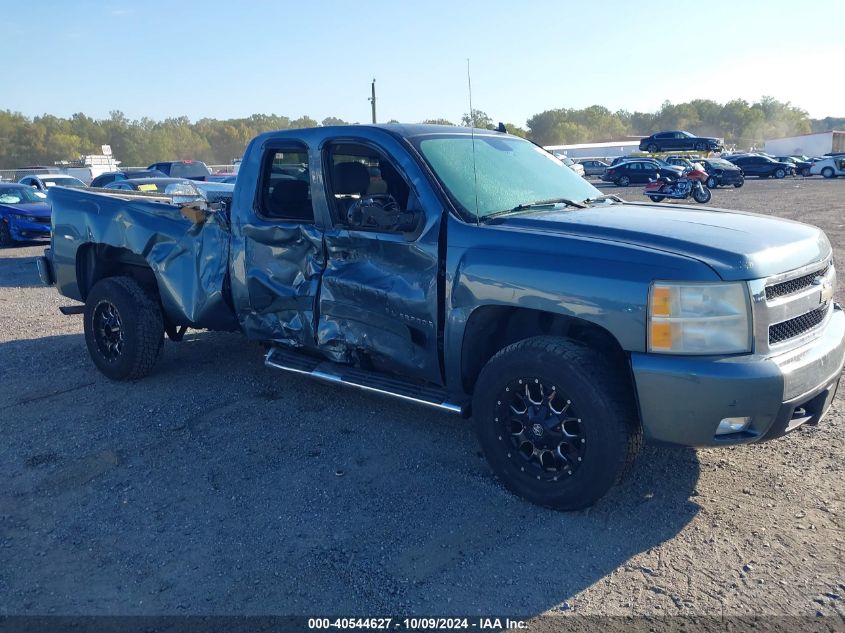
{"x": 286, "y": 187}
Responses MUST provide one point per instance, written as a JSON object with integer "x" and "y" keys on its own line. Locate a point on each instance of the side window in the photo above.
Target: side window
{"x": 285, "y": 186}
{"x": 635, "y": 166}
{"x": 367, "y": 190}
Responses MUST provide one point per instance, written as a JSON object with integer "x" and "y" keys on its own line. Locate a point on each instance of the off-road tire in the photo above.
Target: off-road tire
{"x": 141, "y": 323}
{"x": 603, "y": 397}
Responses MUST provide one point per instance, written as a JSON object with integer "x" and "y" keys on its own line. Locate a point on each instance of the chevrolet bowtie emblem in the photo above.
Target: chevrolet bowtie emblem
{"x": 827, "y": 292}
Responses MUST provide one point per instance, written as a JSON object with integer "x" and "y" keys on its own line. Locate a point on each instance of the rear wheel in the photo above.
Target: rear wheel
{"x": 712, "y": 183}
{"x": 556, "y": 422}
{"x": 780, "y": 172}
{"x": 623, "y": 181}
{"x": 124, "y": 328}
{"x": 656, "y": 198}
{"x": 5, "y": 235}
{"x": 828, "y": 172}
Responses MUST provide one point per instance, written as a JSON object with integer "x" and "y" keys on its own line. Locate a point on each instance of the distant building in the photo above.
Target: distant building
{"x": 817, "y": 144}
{"x": 610, "y": 149}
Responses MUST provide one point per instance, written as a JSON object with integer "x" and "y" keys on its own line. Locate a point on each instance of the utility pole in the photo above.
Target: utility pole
{"x": 373, "y": 99}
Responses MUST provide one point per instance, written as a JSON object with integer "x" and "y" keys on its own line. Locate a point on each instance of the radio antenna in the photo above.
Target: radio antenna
{"x": 472, "y": 138}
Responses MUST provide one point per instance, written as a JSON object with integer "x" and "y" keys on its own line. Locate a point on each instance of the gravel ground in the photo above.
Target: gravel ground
{"x": 217, "y": 486}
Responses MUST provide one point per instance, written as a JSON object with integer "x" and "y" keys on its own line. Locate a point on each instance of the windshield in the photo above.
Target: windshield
{"x": 508, "y": 172}
{"x": 18, "y": 195}
{"x": 62, "y": 181}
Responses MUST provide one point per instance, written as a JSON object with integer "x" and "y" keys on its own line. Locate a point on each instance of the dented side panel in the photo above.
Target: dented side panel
{"x": 276, "y": 266}
{"x": 190, "y": 261}
{"x": 379, "y": 299}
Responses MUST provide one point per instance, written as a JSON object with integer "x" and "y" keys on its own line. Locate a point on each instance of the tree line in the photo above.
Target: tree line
{"x": 42, "y": 140}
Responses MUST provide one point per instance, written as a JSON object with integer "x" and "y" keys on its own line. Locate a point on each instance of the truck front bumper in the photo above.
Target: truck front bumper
{"x": 683, "y": 399}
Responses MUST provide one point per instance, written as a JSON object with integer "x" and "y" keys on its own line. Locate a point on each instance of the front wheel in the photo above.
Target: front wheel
{"x": 805, "y": 172}
{"x": 701, "y": 147}
{"x": 556, "y": 421}
{"x": 701, "y": 194}
{"x": 124, "y": 328}
{"x": 712, "y": 183}
{"x": 739, "y": 183}
{"x": 780, "y": 173}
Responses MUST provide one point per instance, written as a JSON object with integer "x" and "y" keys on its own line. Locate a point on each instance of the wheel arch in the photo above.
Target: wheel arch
{"x": 98, "y": 261}
{"x": 490, "y": 328}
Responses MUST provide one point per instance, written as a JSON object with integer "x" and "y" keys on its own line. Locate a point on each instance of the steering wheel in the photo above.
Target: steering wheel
{"x": 374, "y": 211}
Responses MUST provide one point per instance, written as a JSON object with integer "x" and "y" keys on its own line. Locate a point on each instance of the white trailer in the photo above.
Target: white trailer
{"x": 811, "y": 145}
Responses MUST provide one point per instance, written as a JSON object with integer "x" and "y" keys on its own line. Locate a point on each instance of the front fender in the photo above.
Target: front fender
{"x": 602, "y": 282}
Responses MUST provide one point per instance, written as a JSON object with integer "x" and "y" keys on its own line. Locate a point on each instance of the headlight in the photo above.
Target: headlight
{"x": 699, "y": 318}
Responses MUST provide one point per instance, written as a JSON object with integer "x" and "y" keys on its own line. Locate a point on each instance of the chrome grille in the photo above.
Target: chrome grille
{"x": 786, "y": 330}
{"x": 775, "y": 291}
{"x": 791, "y": 308}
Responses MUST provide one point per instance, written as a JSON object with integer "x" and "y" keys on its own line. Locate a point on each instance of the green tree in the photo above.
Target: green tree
{"x": 478, "y": 119}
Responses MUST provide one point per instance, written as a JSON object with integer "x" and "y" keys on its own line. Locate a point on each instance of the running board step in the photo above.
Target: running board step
{"x": 375, "y": 382}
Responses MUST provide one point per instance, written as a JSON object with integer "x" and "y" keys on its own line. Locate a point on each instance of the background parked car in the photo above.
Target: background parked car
{"x": 801, "y": 167}
{"x": 225, "y": 178}
{"x": 191, "y": 169}
{"x": 639, "y": 172}
{"x": 23, "y": 214}
{"x": 576, "y": 167}
{"x": 829, "y": 167}
{"x": 677, "y": 140}
{"x": 593, "y": 167}
{"x": 761, "y": 166}
{"x": 721, "y": 172}
{"x": 113, "y": 176}
{"x": 42, "y": 182}
{"x": 164, "y": 186}
{"x": 679, "y": 161}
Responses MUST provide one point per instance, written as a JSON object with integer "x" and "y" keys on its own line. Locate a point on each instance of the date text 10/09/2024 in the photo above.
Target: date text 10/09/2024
{"x": 417, "y": 623}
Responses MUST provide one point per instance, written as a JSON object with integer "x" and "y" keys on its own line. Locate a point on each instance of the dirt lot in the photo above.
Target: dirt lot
{"x": 219, "y": 486}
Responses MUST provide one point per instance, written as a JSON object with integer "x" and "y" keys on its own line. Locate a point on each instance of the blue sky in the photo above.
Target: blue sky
{"x": 233, "y": 58}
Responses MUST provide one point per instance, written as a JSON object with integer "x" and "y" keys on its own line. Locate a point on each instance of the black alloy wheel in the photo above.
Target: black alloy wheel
{"x": 108, "y": 331}
{"x": 547, "y": 438}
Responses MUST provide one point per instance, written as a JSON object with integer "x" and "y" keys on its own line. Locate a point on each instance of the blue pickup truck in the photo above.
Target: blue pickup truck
{"x": 473, "y": 272}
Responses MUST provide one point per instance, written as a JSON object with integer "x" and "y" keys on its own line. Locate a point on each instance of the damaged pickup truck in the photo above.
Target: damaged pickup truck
{"x": 473, "y": 272}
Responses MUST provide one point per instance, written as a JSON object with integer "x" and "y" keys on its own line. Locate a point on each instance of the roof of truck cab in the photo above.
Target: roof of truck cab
{"x": 405, "y": 130}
